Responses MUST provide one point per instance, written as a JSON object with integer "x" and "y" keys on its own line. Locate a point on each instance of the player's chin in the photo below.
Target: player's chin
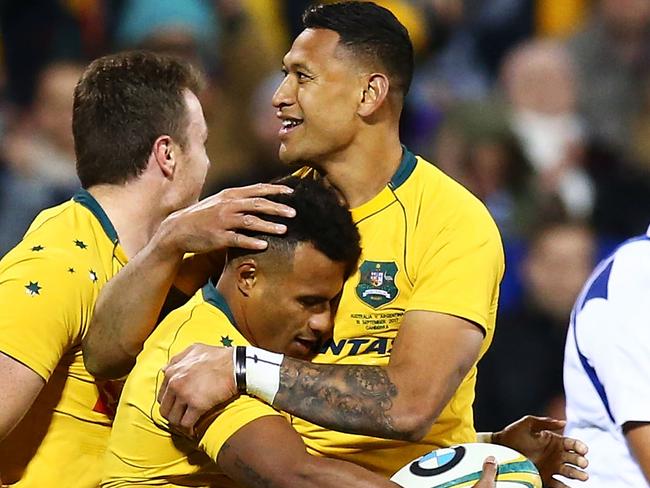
{"x": 300, "y": 349}
{"x": 291, "y": 155}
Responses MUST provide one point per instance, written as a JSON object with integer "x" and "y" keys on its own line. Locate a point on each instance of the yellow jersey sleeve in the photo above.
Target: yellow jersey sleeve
{"x": 460, "y": 270}
{"x": 199, "y": 324}
{"x": 236, "y": 415}
{"x": 45, "y": 305}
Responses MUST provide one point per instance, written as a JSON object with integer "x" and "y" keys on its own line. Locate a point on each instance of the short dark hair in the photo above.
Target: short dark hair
{"x": 370, "y": 31}
{"x": 321, "y": 220}
{"x": 122, "y": 103}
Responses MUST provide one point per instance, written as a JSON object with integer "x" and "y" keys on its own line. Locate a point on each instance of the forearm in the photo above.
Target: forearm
{"x": 306, "y": 471}
{"x": 355, "y": 399}
{"x": 127, "y": 310}
{"x": 638, "y": 438}
{"x": 322, "y": 472}
{"x": 401, "y": 400}
{"x": 20, "y": 386}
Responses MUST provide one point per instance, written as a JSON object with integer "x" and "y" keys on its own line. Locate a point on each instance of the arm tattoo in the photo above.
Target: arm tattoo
{"x": 354, "y": 399}
{"x": 246, "y": 472}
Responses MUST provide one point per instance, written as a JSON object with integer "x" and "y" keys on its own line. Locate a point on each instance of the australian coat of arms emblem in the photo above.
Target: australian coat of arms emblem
{"x": 377, "y": 283}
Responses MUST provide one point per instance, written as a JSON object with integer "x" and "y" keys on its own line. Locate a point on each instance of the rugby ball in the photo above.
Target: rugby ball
{"x": 461, "y": 466}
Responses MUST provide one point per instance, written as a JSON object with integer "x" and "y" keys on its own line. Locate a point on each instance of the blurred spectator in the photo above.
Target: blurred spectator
{"x": 38, "y": 32}
{"x": 198, "y": 30}
{"x": 611, "y": 53}
{"x": 539, "y": 83}
{"x": 37, "y": 165}
{"x": 265, "y": 125}
{"x": 476, "y": 146}
{"x": 622, "y": 206}
{"x": 522, "y": 371}
{"x": 189, "y": 29}
{"x": 640, "y": 136}
{"x": 41, "y": 147}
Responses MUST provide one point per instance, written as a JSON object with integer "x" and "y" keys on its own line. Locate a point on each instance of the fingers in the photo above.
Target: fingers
{"x": 233, "y": 239}
{"x": 176, "y": 413}
{"x": 189, "y": 419}
{"x": 168, "y": 373}
{"x": 576, "y": 445}
{"x": 545, "y": 423}
{"x": 488, "y": 477}
{"x": 165, "y": 398}
{"x": 260, "y": 205}
{"x": 575, "y": 459}
{"x": 255, "y": 223}
{"x": 573, "y": 473}
{"x": 251, "y": 199}
{"x": 259, "y": 190}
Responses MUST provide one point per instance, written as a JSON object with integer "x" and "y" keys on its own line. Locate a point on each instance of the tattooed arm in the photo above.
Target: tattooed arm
{"x": 268, "y": 453}
{"x": 430, "y": 357}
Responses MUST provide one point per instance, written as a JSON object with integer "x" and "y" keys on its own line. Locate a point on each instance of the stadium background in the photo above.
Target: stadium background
{"x": 540, "y": 107}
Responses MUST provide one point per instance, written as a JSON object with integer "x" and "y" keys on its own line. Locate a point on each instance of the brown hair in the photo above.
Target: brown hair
{"x": 122, "y": 103}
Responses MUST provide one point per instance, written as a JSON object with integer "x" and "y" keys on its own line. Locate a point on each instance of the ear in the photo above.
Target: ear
{"x": 246, "y": 276}
{"x": 374, "y": 94}
{"x": 164, "y": 152}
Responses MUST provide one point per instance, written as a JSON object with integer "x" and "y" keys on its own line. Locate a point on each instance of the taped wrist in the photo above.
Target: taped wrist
{"x": 257, "y": 372}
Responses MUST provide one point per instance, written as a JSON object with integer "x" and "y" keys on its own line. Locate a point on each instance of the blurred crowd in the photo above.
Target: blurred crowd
{"x": 540, "y": 107}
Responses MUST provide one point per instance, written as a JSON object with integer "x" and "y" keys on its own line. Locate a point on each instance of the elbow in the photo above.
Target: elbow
{"x": 95, "y": 367}
{"x": 92, "y": 364}
{"x": 413, "y": 428}
{"x": 103, "y": 366}
{"x": 413, "y": 424}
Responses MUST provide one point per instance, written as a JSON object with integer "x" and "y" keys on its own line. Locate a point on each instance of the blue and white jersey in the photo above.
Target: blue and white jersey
{"x": 607, "y": 364}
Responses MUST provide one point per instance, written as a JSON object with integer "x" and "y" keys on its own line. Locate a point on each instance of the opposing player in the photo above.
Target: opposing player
{"x": 139, "y": 138}
{"x": 606, "y": 368}
{"x": 398, "y": 376}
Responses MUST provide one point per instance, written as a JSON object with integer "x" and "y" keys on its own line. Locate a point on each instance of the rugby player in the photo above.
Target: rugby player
{"x": 139, "y": 137}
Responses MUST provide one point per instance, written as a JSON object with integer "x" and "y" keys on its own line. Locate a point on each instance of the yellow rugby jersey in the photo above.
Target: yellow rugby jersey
{"x": 428, "y": 244}
{"x": 142, "y": 450}
{"x": 48, "y": 287}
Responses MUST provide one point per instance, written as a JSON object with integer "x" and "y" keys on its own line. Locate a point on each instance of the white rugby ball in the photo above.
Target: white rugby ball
{"x": 461, "y": 466}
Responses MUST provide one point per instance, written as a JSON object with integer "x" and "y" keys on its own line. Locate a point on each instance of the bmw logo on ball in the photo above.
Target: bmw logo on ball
{"x": 437, "y": 462}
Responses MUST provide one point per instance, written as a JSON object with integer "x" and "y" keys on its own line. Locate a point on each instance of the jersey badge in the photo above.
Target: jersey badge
{"x": 377, "y": 283}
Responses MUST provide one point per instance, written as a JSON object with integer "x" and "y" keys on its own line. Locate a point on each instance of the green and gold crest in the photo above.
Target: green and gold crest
{"x": 377, "y": 283}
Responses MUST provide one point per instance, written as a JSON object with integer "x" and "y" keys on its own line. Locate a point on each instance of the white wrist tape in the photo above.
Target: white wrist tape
{"x": 485, "y": 437}
{"x": 263, "y": 373}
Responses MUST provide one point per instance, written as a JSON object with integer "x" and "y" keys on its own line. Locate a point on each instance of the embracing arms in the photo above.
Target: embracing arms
{"x": 130, "y": 303}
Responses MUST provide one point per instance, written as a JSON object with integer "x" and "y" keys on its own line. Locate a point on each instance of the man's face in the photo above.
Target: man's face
{"x": 557, "y": 267}
{"x": 318, "y": 99}
{"x": 290, "y": 309}
{"x": 194, "y": 162}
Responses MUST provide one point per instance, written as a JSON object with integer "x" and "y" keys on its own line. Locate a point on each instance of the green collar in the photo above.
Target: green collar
{"x": 406, "y": 167}
{"x": 216, "y": 299}
{"x": 84, "y": 198}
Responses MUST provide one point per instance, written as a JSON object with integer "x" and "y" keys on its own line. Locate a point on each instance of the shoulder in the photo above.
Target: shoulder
{"x": 630, "y": 270}
{"x": 444, "y": 205}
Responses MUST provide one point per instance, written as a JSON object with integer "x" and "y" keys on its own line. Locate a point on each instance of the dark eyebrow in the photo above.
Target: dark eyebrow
{"x": 295, "y": 66}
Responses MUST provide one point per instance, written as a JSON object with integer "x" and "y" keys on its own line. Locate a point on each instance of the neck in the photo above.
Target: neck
{"x": 133, "y": 211}
{"x": 365, "y": 168}
{"x": 231, "y": 294}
